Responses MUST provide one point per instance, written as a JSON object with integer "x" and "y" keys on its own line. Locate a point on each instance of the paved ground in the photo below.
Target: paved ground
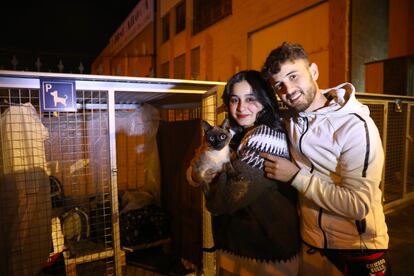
{"x": 401, "y": 231}
{"x": 400, "y": 228}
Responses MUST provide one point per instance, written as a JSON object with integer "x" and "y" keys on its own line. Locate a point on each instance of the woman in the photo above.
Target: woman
{"x": 254, "y": 219}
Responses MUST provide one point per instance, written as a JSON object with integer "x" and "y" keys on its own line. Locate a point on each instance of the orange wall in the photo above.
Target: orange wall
{"x": 401, "y": 28}
{"x": 224, "y": 45}
{"x": 374, "y": 77}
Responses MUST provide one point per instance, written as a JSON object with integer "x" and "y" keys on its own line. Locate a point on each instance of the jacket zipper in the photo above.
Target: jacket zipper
{"x": 303, "y": 134}
{"x": 325, "y": 240}
{"x": 301, "y": 139}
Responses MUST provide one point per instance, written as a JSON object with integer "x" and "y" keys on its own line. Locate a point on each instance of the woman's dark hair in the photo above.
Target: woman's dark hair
{"x": 264, "y": 93}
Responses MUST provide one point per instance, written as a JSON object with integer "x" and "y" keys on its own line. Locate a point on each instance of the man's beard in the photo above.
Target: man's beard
{"x": 309, "y": 96}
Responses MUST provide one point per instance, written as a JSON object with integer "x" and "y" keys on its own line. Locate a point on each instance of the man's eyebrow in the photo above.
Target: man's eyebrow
{"x": 288, "y": 74}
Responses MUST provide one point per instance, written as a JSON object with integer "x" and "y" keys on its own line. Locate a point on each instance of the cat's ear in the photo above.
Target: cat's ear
{"x": 226, "y": 124}
{"x": 205, "y": 125}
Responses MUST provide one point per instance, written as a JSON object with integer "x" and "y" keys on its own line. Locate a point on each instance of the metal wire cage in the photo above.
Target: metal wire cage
{"x": 61, "y": 172}
{"x": 394, "y": 119}
{"x": 51, "y": 186}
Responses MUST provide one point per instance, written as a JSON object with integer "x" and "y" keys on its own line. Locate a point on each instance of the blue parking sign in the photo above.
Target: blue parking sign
{"x": 57, "y": 95}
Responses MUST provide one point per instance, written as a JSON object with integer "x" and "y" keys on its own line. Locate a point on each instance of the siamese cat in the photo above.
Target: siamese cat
{"x": 214, "y": 152}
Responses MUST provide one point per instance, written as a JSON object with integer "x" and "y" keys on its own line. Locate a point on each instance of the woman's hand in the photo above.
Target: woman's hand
{"x": 209, "y": 175}
{"x": 279, "y": 168}
{"x": 206, "y": 178}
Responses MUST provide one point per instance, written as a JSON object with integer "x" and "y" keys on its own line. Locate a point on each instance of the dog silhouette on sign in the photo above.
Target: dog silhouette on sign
{"x": 57, "y": 99}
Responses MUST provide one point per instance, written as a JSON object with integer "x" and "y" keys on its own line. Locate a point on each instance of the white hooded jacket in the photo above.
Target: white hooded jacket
{"x": 339, "y": 152}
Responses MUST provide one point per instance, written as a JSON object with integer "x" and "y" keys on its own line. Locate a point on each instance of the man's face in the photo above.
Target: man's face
{"x": 295, "y": 84}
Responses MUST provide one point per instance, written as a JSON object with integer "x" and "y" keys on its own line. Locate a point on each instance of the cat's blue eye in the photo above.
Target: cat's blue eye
{"x": 223, "y": 136}
{"x": 211, "y": 138}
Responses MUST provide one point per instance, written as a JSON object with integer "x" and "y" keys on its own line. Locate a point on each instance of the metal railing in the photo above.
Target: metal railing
{"x": 394, "y": 117}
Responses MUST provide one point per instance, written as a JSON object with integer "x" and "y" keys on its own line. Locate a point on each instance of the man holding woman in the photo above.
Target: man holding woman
{"x": 337, "y": 169}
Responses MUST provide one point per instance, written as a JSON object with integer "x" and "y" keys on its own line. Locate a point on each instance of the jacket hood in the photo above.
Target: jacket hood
{"x": 340, "y": 100}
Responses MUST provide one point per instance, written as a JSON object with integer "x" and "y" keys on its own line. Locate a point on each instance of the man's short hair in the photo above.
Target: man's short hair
{"x": 285, "y": 52}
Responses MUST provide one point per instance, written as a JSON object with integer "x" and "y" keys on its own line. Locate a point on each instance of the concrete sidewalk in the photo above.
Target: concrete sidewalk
{"x": 401, "y": 231}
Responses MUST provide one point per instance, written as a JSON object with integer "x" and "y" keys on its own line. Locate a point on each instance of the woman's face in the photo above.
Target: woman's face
{"x": 243, "y": 104}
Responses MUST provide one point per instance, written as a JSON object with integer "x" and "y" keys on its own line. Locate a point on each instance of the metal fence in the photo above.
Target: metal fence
{"x": 394, "y": 118}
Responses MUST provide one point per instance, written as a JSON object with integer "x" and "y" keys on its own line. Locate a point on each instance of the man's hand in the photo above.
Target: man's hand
{"x": 279, "y": 168}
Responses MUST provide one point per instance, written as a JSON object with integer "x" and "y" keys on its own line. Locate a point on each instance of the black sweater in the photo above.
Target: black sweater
{"x": 253, "y": 216}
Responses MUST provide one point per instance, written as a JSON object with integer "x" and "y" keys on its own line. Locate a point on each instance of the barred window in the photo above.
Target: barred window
{"x": 166, "y": 27}
{"x": 165, "y": 70}
{"x": 195, "y": 63}
{"x": 180, "y": 17}
{"x": 208, "y": 12}
{"x": 179, "y": 67}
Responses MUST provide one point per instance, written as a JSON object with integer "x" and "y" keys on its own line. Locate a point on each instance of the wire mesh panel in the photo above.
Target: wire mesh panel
{"x": 377, "y": 112}
{"x": 394, "y": 120}
{"x": 180, "y": 114}
{"x": 209, "y": 105}
{"x": 25, "y": 237}
{"x": 394, "y": 163}
{"x": 410, "y": 150}
{"x": 55, "y": 187}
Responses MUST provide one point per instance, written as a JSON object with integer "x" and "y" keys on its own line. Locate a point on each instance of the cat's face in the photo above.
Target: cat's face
{"x": 217, "y": 137}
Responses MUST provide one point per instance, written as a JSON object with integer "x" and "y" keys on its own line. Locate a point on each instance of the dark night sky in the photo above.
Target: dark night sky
{"x": 63, "y": 28}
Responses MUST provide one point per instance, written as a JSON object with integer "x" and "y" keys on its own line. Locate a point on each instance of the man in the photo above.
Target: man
{"x": 338, "y": 162}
